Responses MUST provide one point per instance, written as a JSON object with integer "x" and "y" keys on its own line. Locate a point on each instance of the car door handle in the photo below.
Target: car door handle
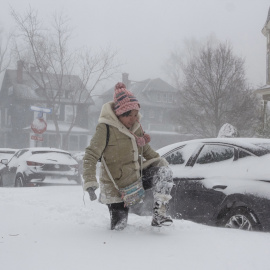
{"x": 219, "y": 187}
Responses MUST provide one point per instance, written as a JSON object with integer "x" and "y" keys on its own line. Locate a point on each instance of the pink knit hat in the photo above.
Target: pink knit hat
{"x": 124, "y": 100}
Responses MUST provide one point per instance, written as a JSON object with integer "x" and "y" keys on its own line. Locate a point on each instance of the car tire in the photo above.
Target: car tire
{"x": 240, "y": 218}
{"x": 1, "y": 181}
{"x": 19, "y": 181}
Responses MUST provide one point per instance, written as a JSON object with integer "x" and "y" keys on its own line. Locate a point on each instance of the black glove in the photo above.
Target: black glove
{"x": 92, "y": 194}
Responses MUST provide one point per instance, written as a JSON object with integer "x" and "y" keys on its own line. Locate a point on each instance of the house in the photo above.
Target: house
{"x": 264, "y": 91}
{"x": 158, "y": 108}
{"x": 20, "y": 91}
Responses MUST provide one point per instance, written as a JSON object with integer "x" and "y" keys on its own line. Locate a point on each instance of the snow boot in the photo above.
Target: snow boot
{"x": 160, "y": 217}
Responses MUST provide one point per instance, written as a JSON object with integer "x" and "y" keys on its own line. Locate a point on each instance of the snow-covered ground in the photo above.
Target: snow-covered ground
{"x": 50, "y": 228}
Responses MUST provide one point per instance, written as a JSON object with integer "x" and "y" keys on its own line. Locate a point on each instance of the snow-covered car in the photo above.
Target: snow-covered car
{"x": 30, "y": 166}
{"x": 220, "y": 181}
{"x": 7, "y": 153}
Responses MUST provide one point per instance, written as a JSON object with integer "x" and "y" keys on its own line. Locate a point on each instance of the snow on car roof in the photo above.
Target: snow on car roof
{"x": 46, "y": 149}
{"x": 8, "y": 150}
{"x": 244, "y": 142}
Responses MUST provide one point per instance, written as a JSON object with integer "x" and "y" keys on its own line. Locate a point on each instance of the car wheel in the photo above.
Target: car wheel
{"x": 240, "y": 218}
{"x": 19, "y": 182}
{"x": 1, "y": 181}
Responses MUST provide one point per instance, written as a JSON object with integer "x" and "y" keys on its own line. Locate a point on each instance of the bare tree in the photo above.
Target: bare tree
{"x": 5, "y": 52}
{"x": 214, "y": 92}
{"x": 62, "y": 74}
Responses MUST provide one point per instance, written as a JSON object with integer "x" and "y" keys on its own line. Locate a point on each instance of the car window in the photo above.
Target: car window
{"x": 20, "y": 153}
{"x": 181, "y": 155}
{"x": 6, "y": 155}
{"x": 176, "y": 157}
{"x": 15, "y": 159}
{"x": 242, "y": 154}
{"x": 215, "y": 153}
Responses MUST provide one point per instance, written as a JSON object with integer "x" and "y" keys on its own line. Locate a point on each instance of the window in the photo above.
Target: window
{"x": 55, "y": 111}
{"x": 52, "y": 140}
{"x": 159, "y": 97}
{"x": 215, "y": 153}
{"x": 70, "y": 112}
{"x": 73, "y": 144}
{"x": 169, "y": 98}
{"x": 165, "y": 97}
{"x": 10, "y": 90}
{"x": 83, "y": 142}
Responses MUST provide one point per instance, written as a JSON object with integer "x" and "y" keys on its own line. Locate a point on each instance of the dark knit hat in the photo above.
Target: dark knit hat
{"x": 124, "y": 100}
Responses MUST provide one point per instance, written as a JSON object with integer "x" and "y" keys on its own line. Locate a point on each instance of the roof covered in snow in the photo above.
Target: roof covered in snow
{"x": 142, "y": 90}
{"x": 70, "y": 87}
{"x": 63, "y": 128}
{"x": 264, "y": 91}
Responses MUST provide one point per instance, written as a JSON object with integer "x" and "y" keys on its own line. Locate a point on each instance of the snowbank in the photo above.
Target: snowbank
{"x": 49, "y": 227}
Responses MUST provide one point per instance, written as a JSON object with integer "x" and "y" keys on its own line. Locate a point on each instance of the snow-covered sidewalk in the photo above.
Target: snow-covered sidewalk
{"x": 50, "y": 228}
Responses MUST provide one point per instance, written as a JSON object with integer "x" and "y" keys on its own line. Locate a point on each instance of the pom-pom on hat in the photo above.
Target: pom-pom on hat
{"x": 124, "y": 100}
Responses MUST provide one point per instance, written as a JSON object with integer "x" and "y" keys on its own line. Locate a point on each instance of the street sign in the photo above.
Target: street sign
{"x": 36, "y": 138}
{"x": 39, "y": 125}
{"x": 40, "y": 109}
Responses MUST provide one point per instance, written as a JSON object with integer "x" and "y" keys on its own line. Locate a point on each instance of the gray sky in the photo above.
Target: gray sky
{"x": 145, "y": 31}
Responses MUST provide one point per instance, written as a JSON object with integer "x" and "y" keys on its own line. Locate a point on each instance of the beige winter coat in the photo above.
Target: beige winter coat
{"x": 121, "y": 156}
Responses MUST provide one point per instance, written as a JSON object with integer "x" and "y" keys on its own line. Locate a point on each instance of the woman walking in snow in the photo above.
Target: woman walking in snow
{"x": 121, "y": 153}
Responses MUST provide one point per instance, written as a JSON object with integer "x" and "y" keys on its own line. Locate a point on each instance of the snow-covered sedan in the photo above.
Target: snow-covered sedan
{"x": 30, "y": 166}
{"x": 220, "y": 181}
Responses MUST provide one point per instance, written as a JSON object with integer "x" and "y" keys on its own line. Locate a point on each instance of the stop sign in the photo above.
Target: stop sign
{"x": 39, "y": 125}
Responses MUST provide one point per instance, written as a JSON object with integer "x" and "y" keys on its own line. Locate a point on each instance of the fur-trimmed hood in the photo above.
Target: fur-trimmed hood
{"x": 107, "y": 116}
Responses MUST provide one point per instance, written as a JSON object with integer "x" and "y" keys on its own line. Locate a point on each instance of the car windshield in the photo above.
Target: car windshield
{"x": 7, "y": 152}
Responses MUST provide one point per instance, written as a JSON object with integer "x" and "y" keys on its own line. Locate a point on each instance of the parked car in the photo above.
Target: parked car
{"x": 30, "y": 166}
{"x": 220, "y": 181}
{"x": 7, "y": 153}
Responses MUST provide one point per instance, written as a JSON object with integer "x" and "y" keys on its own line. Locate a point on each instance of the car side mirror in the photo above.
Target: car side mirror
{"x": 4, "y": 161}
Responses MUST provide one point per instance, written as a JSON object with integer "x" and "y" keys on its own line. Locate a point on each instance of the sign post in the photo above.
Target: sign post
{"x": 39, "y": 125}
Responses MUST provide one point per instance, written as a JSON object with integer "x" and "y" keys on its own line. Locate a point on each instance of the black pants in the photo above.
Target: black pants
{"x": 119, "y": 215}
